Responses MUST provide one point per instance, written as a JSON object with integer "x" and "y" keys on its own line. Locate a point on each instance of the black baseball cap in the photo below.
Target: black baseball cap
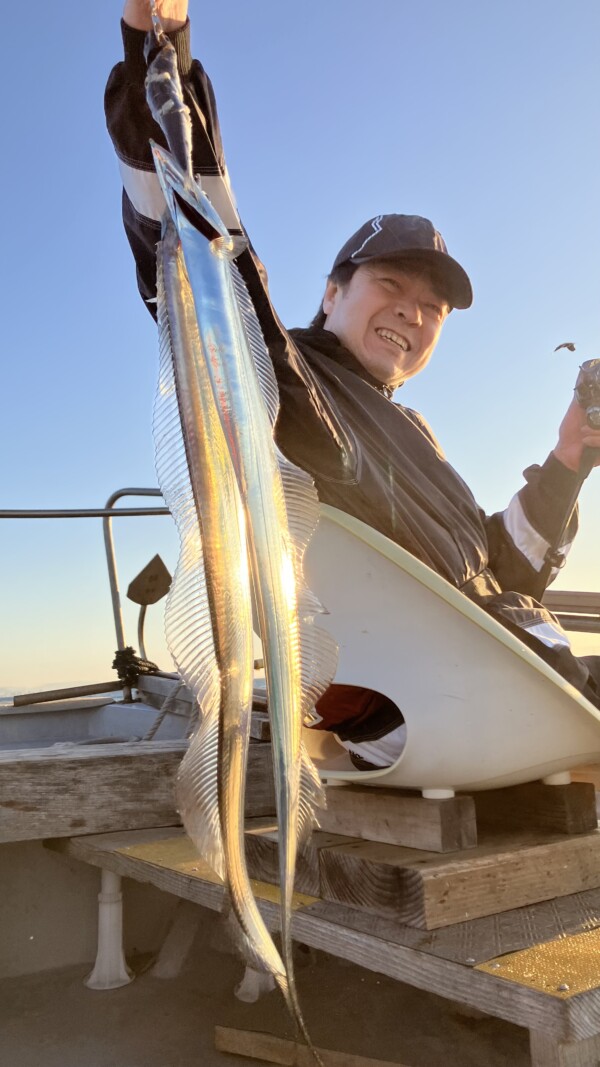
{"x": 409, "y": 237}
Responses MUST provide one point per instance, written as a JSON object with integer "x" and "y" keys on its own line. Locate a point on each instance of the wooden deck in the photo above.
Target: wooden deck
{"x": 537, "y": 966}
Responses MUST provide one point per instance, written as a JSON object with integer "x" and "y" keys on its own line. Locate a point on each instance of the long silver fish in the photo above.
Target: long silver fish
{"x": 222, "y": 374}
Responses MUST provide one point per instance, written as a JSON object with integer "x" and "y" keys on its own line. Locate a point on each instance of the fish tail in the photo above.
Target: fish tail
{"x": 290, "y": 994}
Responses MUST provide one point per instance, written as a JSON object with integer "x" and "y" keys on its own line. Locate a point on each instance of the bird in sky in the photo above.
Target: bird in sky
{"x": 566, "y": 344}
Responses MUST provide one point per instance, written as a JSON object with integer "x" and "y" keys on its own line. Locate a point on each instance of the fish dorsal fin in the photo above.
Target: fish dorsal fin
{"x": 258, "y": 348}
{"x": 312, "y": 797}
{"x": 318, "y": 649}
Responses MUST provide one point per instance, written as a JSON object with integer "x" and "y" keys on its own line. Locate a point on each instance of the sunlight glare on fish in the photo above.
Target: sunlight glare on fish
{"x": 288, "y": 576}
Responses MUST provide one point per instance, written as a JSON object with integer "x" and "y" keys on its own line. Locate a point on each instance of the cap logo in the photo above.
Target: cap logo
{"x": 376, "y": 227}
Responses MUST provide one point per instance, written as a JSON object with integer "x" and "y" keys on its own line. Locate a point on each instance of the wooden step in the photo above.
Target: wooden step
{"x": 89, "y": 789}
{"x": 268, "y": 1048}
{"x": 428, "y": 890}
{"x": 400, "y": 817}
{"x": 560, "y": 809}
{"x": 262, "y": 857}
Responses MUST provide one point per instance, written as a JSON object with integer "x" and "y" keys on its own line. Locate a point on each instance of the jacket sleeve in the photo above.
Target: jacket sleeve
{"x": 520, "y": 536}
{"x": 131, "y": 126}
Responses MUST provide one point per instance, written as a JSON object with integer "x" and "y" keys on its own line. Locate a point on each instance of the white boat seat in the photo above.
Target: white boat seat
{"x": 481, "y": 709}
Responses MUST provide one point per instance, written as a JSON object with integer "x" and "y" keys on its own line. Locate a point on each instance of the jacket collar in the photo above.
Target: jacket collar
{"x": 326, "y": 342}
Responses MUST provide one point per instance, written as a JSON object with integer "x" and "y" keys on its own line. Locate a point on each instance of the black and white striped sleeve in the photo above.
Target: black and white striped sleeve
{"x": 520, "y": 536}
{"x": 131, "y": 127}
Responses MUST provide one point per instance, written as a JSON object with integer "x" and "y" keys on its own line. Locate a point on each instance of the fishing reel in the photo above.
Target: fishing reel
{"x": 587, "y": 391}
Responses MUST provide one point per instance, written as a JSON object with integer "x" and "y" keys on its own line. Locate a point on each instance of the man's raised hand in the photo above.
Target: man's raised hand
{"x": 173, "y": 14}
{"x": 573, "y": 436}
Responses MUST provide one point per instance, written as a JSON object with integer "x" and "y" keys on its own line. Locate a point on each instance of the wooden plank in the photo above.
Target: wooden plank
{"x": 180, "y": 856}
{"x": 468, "y": 943}
{"x": 260, "y": 787}
{"x": 560, "y": 809}
{"x": 563, "y": 967}
{"x": 109, "y": 852}
{"x": 81, "y": 790}
{"x": 575, "y": 1018}
{"x": 270, "y": 1049}
{"x": 588, "y": 773}
{"x": 565, "y": 1019}
{"x": 546, "y": 1051}
{"x": 260, "y": 726}
{"x": 262, "y": 857}
{"x": 87, "y": 790}
{"x": 478, "y": 940}
{"x": 427, "y": 890}
{"x": 173, "y": 868}
{"x": 398, "y": 817}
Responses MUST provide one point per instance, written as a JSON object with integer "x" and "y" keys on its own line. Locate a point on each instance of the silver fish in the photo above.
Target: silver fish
{"x": 212, "y": 332}
{"x": 208, "y": 619}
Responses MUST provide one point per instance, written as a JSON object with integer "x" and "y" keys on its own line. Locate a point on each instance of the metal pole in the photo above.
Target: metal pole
{"x": 82, "y": 513}
{"x": 112, "y": 565}
{"x": 141, "y": 621}
{"x": 22, "y": 699}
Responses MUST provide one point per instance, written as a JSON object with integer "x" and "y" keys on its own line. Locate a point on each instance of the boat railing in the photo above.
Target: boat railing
{"x": 578, "y": 611}
{"x": 107, "y": 514}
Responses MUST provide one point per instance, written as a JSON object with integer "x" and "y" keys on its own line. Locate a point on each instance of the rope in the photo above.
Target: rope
{"x": 164, "y": 710}
{"x": 129, "y": 666}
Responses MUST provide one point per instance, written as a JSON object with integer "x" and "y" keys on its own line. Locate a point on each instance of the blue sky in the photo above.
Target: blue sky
{"x": 484, "y": 120}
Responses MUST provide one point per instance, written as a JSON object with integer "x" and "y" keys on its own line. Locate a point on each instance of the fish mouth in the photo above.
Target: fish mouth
{"x": 396, "y": 338}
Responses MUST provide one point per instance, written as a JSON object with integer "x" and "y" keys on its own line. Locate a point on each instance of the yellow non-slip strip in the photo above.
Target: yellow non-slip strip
{"x": 562, "y": 968}
{"x": 180, "y": 855}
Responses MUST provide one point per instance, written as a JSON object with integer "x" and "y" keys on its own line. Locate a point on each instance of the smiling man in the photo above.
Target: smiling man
{"x": 388, "y": 317}
{"x": 390, "y": 289}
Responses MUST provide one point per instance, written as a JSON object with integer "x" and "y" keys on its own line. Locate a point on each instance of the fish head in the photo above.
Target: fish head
{"x": 164, "y": 96}
{"x": 188, "y": 205}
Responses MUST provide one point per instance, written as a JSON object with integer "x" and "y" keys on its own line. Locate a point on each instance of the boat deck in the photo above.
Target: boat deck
{"x": 489, "y": 964}
{"x": 52, "y": 1019}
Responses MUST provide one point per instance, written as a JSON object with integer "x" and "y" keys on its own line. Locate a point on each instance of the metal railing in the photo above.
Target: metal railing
{"x": 577, "y": 610}
{"x": 107, "y": 514}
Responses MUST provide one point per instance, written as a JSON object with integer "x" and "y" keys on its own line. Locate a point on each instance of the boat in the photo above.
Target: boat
{"x": 84, "y": 768}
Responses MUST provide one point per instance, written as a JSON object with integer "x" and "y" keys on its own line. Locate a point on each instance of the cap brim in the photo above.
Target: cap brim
{"x": 453, "y": 277}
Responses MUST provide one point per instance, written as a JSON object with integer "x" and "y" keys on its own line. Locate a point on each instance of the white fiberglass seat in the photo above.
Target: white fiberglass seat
{"x": 481, "y": 709}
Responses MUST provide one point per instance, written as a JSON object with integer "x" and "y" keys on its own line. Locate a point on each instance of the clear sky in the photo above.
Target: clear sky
{"x": 483, "y": 117}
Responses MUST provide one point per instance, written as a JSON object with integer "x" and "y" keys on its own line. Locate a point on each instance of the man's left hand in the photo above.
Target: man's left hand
{"x": 573, "y": 436}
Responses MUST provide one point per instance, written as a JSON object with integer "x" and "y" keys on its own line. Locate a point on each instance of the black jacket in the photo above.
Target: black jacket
{"x": 369, "y": 456}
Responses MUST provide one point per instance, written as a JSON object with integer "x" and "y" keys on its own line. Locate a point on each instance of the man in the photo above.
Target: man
{"x": 390, "y": 290}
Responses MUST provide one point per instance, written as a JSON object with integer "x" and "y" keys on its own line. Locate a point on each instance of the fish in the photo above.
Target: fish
{"x": 245, "y": 517}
